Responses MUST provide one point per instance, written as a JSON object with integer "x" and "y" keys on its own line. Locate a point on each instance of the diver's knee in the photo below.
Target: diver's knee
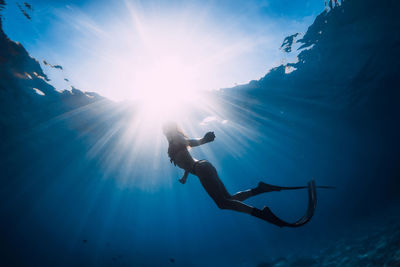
{"x": 223, "y": 204}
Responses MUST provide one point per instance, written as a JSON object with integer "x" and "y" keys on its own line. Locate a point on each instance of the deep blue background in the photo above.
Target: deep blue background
{"x": 70, "y": 194}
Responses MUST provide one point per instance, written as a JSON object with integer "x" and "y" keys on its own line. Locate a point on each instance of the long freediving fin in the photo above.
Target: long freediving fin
{"x": 271, "y": 188}
{"x": 267, "y": 214}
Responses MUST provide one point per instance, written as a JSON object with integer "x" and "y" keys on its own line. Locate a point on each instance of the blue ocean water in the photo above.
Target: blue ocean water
{"x": 77, "y": 188}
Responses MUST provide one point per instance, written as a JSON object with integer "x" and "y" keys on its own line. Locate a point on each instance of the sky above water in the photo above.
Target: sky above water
{"x": 123, "y": 49}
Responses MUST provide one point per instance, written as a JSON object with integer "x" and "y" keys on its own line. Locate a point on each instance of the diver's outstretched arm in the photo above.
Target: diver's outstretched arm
{"x": 208, "y": 137}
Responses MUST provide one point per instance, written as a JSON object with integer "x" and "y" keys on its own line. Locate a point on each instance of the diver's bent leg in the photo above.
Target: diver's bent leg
{"x": 260, "y": 189}
{"x": 264, "y": 214}
{"x": 243, "y": 195}
{"x": 231, "y": 204}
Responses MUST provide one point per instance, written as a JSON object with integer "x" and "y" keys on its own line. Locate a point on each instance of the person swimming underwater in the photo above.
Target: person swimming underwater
{"x": 207, "y": 174}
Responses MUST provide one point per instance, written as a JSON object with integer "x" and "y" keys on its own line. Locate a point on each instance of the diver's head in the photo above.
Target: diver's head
{"x": 171, "y": 129}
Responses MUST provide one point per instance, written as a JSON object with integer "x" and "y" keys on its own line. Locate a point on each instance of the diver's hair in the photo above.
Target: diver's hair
{"x": 174, "y": 128}
{"x": 180, "y": 130}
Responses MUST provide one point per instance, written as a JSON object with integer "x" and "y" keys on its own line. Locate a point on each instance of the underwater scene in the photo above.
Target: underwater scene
{"x": 200, "y": 133}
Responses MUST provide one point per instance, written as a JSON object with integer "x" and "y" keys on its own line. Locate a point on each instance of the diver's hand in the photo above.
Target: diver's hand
{"x": 209, "y": 137}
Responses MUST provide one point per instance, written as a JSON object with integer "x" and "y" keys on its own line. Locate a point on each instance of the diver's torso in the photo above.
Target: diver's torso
{"x": 184, "y": 160}
{"x": 179, "y": 153}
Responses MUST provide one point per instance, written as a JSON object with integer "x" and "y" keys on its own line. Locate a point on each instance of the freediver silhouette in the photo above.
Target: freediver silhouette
{"x": 207, "y": 174}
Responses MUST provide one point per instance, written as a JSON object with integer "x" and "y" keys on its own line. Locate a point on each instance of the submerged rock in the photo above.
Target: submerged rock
{"x": 371, "y": 246}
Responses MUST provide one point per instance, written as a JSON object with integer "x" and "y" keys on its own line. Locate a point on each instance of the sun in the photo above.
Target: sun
{"x": 166, "y": 90}
{"x": 166, "y": 86}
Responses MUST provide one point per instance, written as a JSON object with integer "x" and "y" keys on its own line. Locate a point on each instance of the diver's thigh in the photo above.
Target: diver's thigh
{"x": 212, "y": 184}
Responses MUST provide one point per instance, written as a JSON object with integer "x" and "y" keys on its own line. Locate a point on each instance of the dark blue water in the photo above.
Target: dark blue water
{"x": 78, "y": 186}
